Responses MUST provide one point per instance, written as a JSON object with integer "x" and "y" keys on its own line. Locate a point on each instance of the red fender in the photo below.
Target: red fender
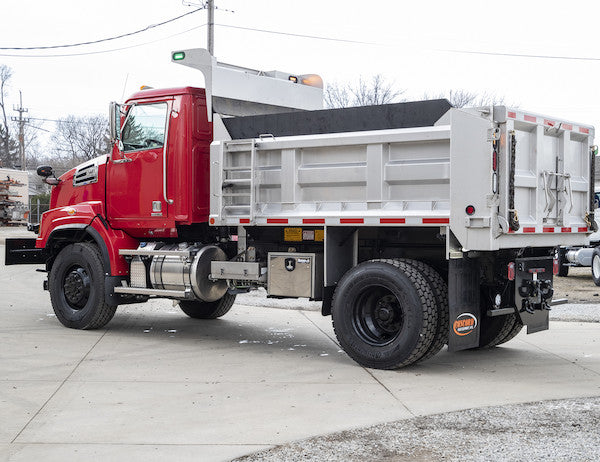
{"x": 88, "y": 218}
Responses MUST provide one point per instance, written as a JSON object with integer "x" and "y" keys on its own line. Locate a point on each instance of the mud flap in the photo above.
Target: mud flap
{"x": 463, "y": 299}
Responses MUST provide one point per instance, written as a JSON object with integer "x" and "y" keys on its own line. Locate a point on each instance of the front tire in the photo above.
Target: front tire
{"x": 207, "y": 310}
{"x": 596, "y": 266}
{"x": 384, "y": 314}
{"x": 76, "y": 285}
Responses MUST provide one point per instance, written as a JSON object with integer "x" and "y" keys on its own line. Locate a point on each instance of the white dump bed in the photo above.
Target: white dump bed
{"x": 423, "y": 176}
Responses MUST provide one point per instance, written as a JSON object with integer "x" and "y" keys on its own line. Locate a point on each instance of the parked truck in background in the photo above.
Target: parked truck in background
{"x": 416, "y": 224}
{"x": 578, "y": 256}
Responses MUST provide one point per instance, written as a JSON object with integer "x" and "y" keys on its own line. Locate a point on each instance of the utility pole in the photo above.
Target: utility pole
{"x": 21, "y": 121}
{"x": 210, "y": 6}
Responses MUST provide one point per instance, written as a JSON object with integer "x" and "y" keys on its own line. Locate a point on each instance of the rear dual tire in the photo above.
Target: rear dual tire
{"x": 498, "y": 330}
{"x": 385, "y": 314}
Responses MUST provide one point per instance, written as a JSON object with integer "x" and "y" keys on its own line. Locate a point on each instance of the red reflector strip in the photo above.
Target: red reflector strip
{"x": 384, "y": 221}
{"x": 512, "y": 115}
{"x": 565, "y": 230}
{"x": 584, "y": 130}
{"x": 548, "y": 230}
{"x": 313, "y": 221}
{"x": 436, "y": 221}
{"x": 511, "y": 231}
{"x": 529, "y": 230}
{"x": 529, "y": 118}
{"x": 279, "y": 221}
{"x": 567, "y": 126}
{"x": 582, "y": 230}
{"x": 244, "y": 220}
{"x": 549, "y": 122}
{"x": 352, "y": 220}
{"x": 537, "y": 270}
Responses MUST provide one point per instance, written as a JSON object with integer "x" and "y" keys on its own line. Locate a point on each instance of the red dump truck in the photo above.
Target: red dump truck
{"x": 416, "y": 224}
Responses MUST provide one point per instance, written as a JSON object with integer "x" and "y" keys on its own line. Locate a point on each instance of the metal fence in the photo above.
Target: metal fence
{"x": 36, "y": 208}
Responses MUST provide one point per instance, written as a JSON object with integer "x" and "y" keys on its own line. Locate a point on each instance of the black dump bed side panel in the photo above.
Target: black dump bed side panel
{"x": 353, "y": 119}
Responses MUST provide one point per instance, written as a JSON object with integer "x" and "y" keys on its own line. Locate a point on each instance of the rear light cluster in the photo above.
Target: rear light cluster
{"x": 511, "y": 271}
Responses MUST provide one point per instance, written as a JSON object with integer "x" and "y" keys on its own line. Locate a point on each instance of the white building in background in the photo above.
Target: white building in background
{"x": 14, "y": 199}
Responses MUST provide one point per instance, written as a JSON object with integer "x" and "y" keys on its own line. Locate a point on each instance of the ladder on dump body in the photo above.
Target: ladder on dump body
{"x": 245, "y": 175}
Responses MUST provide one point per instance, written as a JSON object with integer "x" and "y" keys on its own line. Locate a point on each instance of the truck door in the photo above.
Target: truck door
{"x": 134, "y": 192}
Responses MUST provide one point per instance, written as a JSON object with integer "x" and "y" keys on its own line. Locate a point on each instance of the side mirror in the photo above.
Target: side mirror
{"x": 45, "y": 171}
{"x": 115, "y": 122}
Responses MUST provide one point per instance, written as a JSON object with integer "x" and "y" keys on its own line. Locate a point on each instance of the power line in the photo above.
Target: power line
{"x": 265, "y": 31}
{"x": 317, "y": 37}
{"x": 518, "y": 55}
{"x": 152, "y": 26}
{"x": 60, "y": 121}
{"x": 577, "y": 58}
{"x": 65, "y": 55}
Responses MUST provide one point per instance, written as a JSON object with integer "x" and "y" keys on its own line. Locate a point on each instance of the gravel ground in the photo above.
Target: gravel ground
{"x": 565, "y": 430}
{"x": 578, "y": 286}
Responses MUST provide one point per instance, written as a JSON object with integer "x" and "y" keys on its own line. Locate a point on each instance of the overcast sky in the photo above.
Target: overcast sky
{"x": 409, "y": 42}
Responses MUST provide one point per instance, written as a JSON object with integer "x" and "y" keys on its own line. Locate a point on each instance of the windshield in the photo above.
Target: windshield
{"x": 145, "y": 127}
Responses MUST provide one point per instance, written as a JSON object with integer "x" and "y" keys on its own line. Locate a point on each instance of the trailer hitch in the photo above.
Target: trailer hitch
{"x": 536, "y": 295}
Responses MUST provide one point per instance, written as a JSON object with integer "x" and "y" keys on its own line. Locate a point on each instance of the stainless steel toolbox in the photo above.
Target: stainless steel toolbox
{"x": 295, "y": 274}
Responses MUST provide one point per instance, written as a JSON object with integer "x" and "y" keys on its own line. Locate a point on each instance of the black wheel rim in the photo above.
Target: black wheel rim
{"x": 377, "y": 316}
{"x": 76, "y": 287}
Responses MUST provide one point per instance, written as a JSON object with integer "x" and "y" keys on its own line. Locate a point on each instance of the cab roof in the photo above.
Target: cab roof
{"x": 163, "y": 92}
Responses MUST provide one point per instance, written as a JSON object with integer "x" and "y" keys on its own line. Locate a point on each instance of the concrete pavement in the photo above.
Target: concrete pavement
{"x": 156, "y": 385}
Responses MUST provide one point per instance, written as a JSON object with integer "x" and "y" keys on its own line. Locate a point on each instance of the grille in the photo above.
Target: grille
{"x": 86, "y": 175}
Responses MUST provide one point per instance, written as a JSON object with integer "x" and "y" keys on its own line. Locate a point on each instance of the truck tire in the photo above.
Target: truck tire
{"x": 518, "y": 325}
{"x": 76, "y": 285}
{"x": 596, "y": 266}
{"x": 563, "y": 269}
{"x": 440, "y": 291}
{"x": 384, "y": 314}
{"x": 207, "y": 310}
{"x": 496, "y": 330}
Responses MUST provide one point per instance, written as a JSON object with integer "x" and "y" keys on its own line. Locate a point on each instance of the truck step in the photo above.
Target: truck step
{"x": 185, "y": 294}
{"x": 154, "y": 253}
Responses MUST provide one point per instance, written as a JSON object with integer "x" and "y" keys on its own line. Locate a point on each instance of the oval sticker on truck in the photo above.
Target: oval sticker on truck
{"x": 465, "y": 324}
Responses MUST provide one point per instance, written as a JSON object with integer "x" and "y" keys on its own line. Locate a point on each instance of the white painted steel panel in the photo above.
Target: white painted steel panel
{"x": 413, "y": 177}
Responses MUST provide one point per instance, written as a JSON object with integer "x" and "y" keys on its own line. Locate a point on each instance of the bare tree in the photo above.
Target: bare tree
{"x": 464, "y": 98}
{"x": 367, "y": 92}
{"x": 7, "y": 146}
{"x": 78, "y": 139}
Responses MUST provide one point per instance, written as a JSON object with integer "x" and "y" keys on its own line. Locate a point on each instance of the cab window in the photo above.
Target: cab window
{"x": 145, "y": 127}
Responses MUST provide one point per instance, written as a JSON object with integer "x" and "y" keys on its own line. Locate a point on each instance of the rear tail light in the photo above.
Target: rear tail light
{"x": 511, "y": 271}
{"x": 555, "y": 266}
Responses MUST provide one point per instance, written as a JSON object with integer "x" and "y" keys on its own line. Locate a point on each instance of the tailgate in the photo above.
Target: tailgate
{"x": 534, "y": 179}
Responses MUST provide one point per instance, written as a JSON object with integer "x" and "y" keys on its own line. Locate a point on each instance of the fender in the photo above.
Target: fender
{"x": 82, "y": 220}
